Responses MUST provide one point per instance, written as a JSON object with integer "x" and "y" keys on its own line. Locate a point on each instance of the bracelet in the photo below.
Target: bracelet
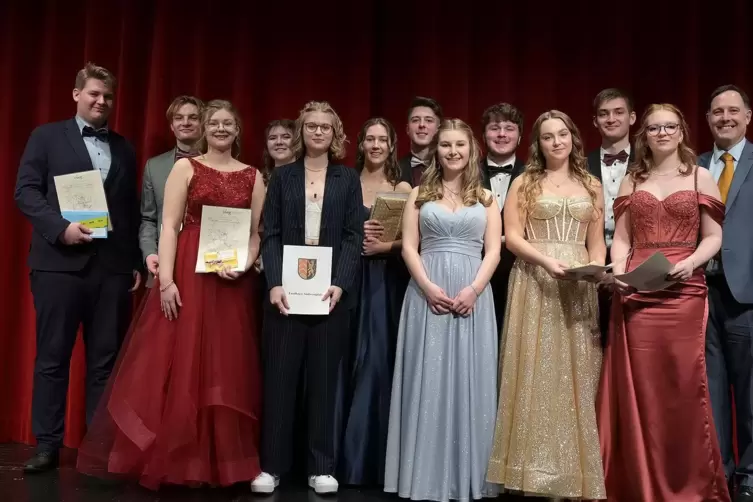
{"x": 474, "y": 290}
{"x": 164, "y": 288}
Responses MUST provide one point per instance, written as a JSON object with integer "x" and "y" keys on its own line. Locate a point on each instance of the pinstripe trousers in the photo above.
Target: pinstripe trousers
{"x": 290, "y": 344}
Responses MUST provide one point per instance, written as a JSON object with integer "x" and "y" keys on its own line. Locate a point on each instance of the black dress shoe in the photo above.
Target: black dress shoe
{"x": 42, "y": 462}
{"x": 744, "y": 494}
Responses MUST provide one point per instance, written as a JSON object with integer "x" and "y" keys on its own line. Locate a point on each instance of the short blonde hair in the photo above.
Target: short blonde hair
{"x": 92, "y": 71}
{"x": 336, "y": 148}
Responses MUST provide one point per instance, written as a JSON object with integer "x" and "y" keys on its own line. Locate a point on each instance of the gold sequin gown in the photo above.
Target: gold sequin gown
{"x": 546, "y": 441}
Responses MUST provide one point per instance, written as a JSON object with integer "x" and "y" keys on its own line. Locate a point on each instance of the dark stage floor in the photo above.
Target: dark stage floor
{"x": 67, "y": 485}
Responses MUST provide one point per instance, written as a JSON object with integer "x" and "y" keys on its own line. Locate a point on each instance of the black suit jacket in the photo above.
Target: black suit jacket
{"x": 58, "y": 148}
{"x": 407, "y": 173}
{"x": 341, "y": 224}
{"x": 594, "y": 161}
{"x": 507, "y": 258}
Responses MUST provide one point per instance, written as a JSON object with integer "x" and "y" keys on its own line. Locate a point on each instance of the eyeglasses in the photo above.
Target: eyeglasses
{"x": 311, "y": 127}
{"x": 670, "y": 129}
{"x": 213, "y": 126}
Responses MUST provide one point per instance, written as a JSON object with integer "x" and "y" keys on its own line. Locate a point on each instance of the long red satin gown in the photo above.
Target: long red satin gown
{"x": 654, "y": 413}
{"x": 183, "y": 404}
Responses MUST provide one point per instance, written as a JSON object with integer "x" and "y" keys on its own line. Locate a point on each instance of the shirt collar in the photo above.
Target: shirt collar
{"x": 490, "y": 162}
{"x": 602, "y": 152}
{"x": 83, "y": 123}
{"x": 736, "y": 151}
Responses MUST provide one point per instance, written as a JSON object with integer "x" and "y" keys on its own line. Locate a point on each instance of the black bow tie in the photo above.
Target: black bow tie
{"x": 101, "y": 134}
{"x": 610, "y": 158}
{"x": 495, "y": 170}
{"x": 182, "y": 154}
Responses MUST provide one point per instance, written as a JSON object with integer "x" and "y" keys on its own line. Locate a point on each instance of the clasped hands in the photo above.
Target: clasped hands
{"x": 372, "y": 232}
{"x": 440, "y": 303}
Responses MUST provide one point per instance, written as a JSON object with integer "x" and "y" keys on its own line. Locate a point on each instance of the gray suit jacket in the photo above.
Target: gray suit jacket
{"x": 737, "y": 234}
{"x": 152, "y": 196}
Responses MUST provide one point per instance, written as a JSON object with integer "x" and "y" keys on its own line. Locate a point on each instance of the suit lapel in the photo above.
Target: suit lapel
{"x": 741, "y": 173}
{"x": 116, "y": 154}
{"x": 331, "y": 189}
{"x": 298, "y": 193}
{"x": 77, "y": 142}
{"x": 594, "y": 162}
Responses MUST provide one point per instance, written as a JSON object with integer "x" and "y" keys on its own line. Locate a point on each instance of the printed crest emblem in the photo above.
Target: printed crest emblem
{"x": 306, "y": 268}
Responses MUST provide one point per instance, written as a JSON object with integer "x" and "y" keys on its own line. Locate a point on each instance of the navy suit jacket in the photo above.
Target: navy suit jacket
{"x": 341, "y": 224}
{"x": 58, "y": 148}
{"x": 737, "y": 232}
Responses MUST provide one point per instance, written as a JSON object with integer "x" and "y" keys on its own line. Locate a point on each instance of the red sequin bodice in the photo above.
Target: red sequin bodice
{"x": 210, "y": 187}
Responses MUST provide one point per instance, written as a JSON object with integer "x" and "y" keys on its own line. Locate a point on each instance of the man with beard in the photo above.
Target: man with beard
{"x": 502, "y": 125}
{"x": 613, "y": 116}
{"x": 729, "y": 332}
{"x": 424, "y": 116}
{"x": 184, "y": 116}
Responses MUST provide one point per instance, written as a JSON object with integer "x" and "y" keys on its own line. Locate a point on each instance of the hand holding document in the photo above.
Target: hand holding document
{"x": 306, "y": 277}
{"x": 651, "y": 275}
{"x": 388, "y": 210}
{"x": 585, "y": 272}
{"x": 82, "y": 199}
{"x": 223, "y": 241}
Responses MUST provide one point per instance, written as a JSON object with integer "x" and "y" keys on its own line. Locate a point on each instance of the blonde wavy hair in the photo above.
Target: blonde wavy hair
{"x": 644, "y": 160}
{"x": 206, "y": 115}
{"x": 535, "y": 172}
{"x": 336, "y": 148}
{"x": 431, "y": 181}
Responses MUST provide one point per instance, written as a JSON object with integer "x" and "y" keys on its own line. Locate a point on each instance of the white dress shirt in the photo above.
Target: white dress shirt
{"x": 611, "y": 178}
{"x": 500, "y": 183}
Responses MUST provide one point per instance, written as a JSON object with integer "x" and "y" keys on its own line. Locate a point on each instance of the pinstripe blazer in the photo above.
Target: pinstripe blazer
{"x": 341, "y": 225}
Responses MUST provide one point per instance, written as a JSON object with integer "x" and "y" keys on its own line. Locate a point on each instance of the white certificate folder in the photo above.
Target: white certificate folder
{"x": 306, "y": 277}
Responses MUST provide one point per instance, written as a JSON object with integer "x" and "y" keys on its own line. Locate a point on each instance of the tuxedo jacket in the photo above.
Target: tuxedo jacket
{"x": 507, "y": 258}
{"x": 407, "y": 173}
{"x": 737, "y": 237}
{"x": 341, "y": 227}
{"x": 56, "y": 149}
{"x": 152, "y": 199}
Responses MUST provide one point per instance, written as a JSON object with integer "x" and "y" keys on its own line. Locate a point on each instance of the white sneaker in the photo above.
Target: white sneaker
{"x": 264, "y": 483}
{"x": 323, "y": 484}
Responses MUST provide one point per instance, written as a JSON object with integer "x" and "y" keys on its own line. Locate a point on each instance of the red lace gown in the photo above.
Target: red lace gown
{"x": 183, "y": 403}
{"x": 654, "y": 413}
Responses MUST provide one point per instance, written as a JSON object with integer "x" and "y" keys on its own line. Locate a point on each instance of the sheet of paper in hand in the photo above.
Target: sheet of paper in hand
{"x": 223, "y": 241}
{"x": 388, "y": 210}
{"x": 580, "y": 272}
{"x": 306, "y": 277}
{"x": 651, "y": 275}
{"x": 81, "y": 197}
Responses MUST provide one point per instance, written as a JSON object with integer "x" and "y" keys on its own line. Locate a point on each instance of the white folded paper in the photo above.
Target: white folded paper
{"x": 306, "y": 277}
{"x": 223, "y": 241}
{"x": 82, "y": 199}
{"x": 651, "y": 275}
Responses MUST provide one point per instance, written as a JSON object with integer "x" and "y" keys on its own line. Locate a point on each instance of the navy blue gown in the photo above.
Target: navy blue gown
{"x": 368, "y": 382}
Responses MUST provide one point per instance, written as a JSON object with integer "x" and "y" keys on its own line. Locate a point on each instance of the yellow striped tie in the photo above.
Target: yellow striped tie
{"x": 725, "y": 180}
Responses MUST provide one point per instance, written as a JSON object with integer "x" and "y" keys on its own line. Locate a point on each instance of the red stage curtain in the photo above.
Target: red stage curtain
{"x": 366, "y": 57}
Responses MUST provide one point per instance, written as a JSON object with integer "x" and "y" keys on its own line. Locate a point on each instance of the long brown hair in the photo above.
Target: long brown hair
{"x": 530, "y": 187}
{"x": 210, "y": 109}
{"x": 336, "y": 148}
{"x": 267, "y": 162}
{"x": 391, "y": 167}
{"x": 431, "y": 181}
{"x": 644, "y": 159}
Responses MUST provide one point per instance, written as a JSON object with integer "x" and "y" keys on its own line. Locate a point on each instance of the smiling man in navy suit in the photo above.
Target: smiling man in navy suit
{"x": 729, "y": 332}
{"x": 76, "y": 280}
